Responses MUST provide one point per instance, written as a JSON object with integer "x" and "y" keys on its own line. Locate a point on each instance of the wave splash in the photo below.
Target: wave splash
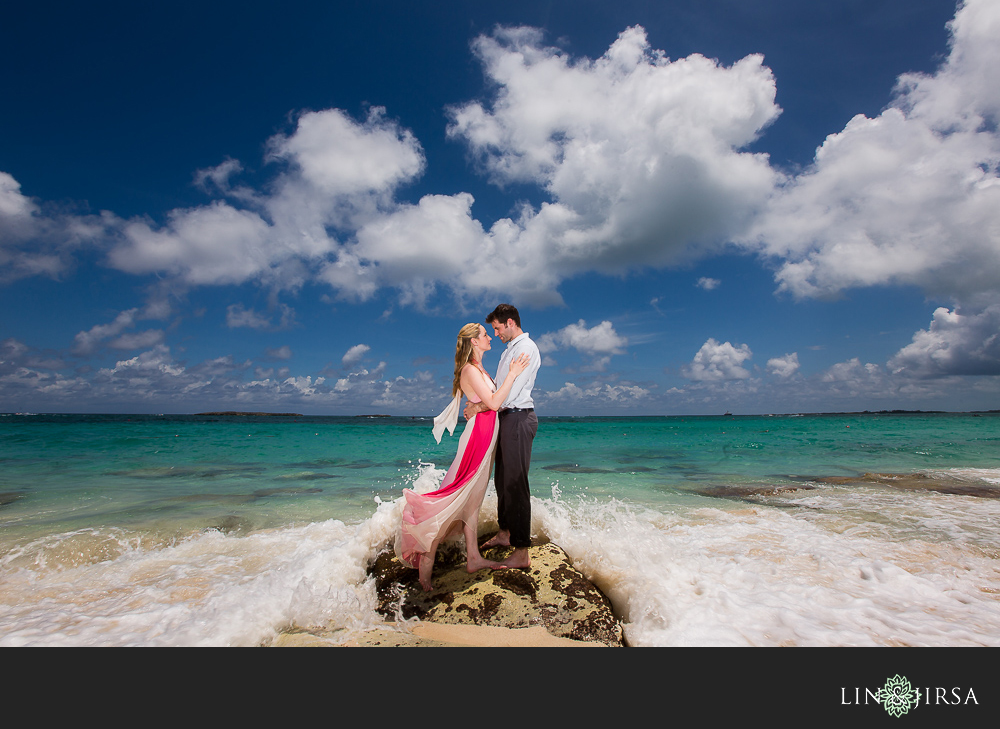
{"x": 837, "y": 565}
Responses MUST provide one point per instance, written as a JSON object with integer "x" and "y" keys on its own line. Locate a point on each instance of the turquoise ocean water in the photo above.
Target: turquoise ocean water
{"x": 811, "y": 530}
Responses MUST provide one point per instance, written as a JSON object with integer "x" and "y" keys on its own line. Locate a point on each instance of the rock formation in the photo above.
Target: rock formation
{"x": 551, "y": 594}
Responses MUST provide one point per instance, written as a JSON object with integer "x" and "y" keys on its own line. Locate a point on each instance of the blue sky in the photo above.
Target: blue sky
{"x": 698, "y": 206}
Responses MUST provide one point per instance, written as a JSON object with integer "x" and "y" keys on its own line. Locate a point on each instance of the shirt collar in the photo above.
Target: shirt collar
{"x": 511, "y": 343}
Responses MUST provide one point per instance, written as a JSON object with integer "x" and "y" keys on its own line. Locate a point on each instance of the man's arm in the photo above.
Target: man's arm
{"x": 526, "y": 379}
{"x": 471, "y": 408}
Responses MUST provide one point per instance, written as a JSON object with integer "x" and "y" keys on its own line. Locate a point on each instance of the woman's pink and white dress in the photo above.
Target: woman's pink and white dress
{"x": 429, "y": 519}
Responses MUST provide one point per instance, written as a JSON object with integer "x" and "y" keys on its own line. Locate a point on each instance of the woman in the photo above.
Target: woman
{"x": 429, "y": 519}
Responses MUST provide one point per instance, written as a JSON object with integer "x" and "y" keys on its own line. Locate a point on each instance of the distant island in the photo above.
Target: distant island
{"x": 240, "y": 413}
{"x": 235, "y": 412}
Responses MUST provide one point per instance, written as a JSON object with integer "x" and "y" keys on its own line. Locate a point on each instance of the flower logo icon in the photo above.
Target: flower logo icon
{"x": 897, "y": 696}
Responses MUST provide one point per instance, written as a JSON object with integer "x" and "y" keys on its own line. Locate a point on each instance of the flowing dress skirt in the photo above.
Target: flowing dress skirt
{"x": 429, "y": 519}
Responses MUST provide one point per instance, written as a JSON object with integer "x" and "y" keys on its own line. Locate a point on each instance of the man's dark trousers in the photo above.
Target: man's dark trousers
{"x": 510, "y": 475}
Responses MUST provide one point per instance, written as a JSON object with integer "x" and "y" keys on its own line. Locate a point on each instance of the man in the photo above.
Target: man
{"x": 518, "y": 425}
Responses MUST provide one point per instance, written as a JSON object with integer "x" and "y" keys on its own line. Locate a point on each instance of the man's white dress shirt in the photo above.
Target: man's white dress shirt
{"x": 520, "y": 391}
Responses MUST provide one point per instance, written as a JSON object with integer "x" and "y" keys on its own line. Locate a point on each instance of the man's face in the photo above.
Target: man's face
{"x": 505, "y": 331}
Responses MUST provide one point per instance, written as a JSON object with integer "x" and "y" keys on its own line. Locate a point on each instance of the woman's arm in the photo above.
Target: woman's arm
{"x": 472, "y": 382}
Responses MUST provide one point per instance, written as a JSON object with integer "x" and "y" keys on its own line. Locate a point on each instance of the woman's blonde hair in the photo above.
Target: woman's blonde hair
{"x": 463, "y": 353}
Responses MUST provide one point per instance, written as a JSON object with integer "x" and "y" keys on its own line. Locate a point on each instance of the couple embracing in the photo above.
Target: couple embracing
{"x": 500, "y": 429}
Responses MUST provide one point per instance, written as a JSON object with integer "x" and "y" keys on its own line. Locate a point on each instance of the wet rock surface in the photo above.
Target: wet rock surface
{"x": 551, "y": 594}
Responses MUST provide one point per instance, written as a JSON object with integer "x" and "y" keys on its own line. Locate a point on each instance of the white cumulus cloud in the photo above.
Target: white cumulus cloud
{"x": 340, "y": 157}
{"x": 214, "y": 244}
{"x": 911, "y": 196}
{"x": 598, "y": 343}
{"x": 597, "y": 395}
{"x": 640, "y": 157}
{"x": 717, "y": 362}
{"x": 784, "y": 366}
{"x": 337, "y": 173}
{"x": 953, "y": 344}
{"x": 599, "y": 339}
{"x": 640, "y": 154}
{"x": 354, "y": 354}
{"x": 851, "y": 371}
{"x": 40, "y": 240}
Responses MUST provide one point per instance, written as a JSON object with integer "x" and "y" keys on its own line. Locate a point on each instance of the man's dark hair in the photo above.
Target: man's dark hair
{"x": 502, "y": 313}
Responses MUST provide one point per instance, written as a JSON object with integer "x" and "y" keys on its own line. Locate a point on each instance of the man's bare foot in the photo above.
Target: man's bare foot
{"x": 481, "y": 563}
{"x": 500, "y": 539}
{"x": 519, "y": 559}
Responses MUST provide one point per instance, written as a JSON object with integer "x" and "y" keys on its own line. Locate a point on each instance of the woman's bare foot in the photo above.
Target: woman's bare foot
{"x": 424, "y": 570}
{"x": 474, "y": 564}
{"x": 500, "y": 539}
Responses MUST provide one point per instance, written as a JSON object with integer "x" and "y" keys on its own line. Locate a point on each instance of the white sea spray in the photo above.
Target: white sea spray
{"x": 209, "y": 589}
{"x": 766, "y": 577}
